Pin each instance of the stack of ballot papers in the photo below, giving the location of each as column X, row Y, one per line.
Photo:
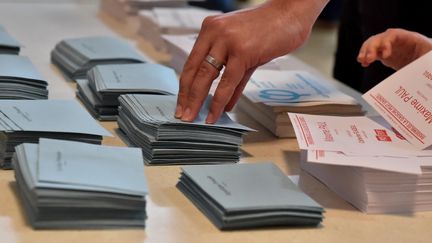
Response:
column 105, row 83
column 170, row 21
column 122, row 9
column 247, row 196
column 25, row 121
column 270, row 94
column 148, row 122
column 8, row 45
column 64, row 184
column 19, row 79
column 379, row 164
column 74, row 57
column 366, row 162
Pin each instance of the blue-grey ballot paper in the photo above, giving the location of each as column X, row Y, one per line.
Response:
column 148, row 122
column 67, row 184
column 27, row 120
column 248, row 196
column 19, row 79
column 76, row 56
column 8, row 45
column 105, row 83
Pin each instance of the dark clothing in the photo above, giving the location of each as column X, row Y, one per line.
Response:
column 361, row 19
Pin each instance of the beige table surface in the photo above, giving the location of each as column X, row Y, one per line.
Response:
column 171, row 216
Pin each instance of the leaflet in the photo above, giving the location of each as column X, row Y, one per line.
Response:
column 356, row 135
column 404, row 100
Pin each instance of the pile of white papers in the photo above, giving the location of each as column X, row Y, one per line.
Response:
column 64, row 184
column 107, row 82
column 122, row 9
column 366, row 162
column 170, row 21
column 19, row 79
column 247, row 196
column 76, row 56
column 148, row 122
column 25, row 121
column 8, row 45
column 179, row 46
column 381, row 164
column 270, row 94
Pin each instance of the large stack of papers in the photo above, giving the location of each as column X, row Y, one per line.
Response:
column 270, row 94
column 8, row 45
column 248, row 195
column 105, row 83
column 75, row 57
column 122, row 9
column 65, row 184
column 25, row 121
column 19, row 79
column 148, row 121
column 179, row 46
column 366, row 162
column 379, row 164
column 170, row 21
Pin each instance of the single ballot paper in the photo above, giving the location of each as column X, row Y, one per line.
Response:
column 355, row 135
column 405, row 100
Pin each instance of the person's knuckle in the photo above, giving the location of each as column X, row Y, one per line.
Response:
column 204, row 71
column 211, row 22
column 194, row 96
column 219, row 101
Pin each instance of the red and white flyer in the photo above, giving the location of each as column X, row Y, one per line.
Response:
column 405, row 100
column 355, row 135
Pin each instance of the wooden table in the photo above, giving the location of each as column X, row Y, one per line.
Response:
column 172, row 217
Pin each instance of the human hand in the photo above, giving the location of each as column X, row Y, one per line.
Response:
column 243, row 40
column 395, row 48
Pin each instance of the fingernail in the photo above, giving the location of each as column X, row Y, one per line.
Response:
column 210, row 118
column 187, row 115
column 178, row 111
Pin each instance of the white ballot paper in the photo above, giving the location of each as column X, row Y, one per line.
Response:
column 410, row 165
column 355, row 135
column 405, row 100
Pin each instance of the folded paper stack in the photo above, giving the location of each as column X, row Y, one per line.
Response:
column 8, row 45
column 65, row 184
column 148, row 122
column 105, row 83
column 248, row 196
column 19, row 79
column 366, row 162
column 25, row 121
column 270, row 94
column 74, row 57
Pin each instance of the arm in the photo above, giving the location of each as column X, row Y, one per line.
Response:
column 243, row 40
column 395, row 48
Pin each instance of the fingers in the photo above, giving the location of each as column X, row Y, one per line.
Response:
column 199, row 51
column 199, row 85
column 233, row 74
column 239, row 90
column 377, row 47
